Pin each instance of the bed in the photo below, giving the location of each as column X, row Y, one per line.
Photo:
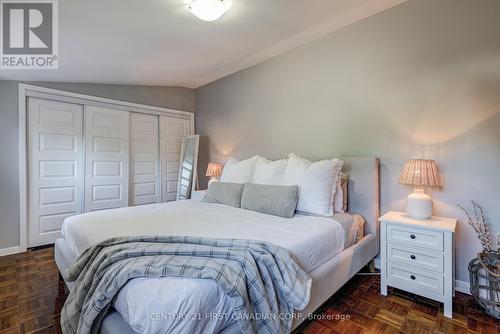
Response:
column 317, row 243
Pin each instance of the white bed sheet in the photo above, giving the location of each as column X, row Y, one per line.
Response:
column 312, row 240
column 154, row 305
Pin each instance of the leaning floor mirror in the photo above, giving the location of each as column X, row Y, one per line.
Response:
column 187, row 167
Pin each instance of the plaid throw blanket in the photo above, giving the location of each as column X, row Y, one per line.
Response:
column 262, row 280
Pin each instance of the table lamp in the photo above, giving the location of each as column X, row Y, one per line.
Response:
column 214, row 170
column 419, row 173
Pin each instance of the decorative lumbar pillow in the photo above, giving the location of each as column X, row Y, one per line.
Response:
column 341, row 195
column 271, row 199
column 269, row 172
column 338, row 200
column 224, row 193
column 345, row 192
column 239, row 171
column 317, row 183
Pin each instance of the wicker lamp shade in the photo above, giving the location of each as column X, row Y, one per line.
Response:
column 420, row 173
column 214, row 169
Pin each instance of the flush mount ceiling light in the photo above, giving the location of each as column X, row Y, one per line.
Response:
column 209, row 10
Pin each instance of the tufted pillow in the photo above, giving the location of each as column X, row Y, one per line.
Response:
column 317, row 183
column 239, row 171
column 269, row 172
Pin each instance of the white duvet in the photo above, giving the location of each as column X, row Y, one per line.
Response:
column 175, row 305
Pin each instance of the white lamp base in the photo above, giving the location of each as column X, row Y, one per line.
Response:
column 212, row 180
column 419, row 205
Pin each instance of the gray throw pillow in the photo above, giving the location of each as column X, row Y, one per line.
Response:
column 224, row 193
column 274, row 200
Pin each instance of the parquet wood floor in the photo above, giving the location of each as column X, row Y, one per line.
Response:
column 31, row 298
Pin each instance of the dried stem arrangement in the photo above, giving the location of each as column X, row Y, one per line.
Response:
column 485, row 269
column 480, row 226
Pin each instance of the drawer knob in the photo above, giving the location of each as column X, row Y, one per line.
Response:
column 412, row 276
column 412, row 236
column 413, row 257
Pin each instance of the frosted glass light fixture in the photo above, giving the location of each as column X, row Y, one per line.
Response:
column 209, row 10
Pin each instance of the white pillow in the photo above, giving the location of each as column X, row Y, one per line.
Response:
column 238, row 171
column 317, row 183
column 269, row 172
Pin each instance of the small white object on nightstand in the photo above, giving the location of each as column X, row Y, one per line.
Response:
column 418, row 256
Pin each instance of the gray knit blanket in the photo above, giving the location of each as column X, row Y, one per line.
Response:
column 264, row 283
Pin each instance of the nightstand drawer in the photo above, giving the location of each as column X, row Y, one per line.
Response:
column 429, row 260
column 415, row 237
column 417, row 280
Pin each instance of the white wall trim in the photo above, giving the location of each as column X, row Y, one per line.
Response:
column 460, row 286
column 26, row 90
column 10, row 250
column 23, row 171
column 66, row 96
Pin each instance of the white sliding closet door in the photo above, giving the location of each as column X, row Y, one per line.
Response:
column 144, row 160
column 172, row 130
column 55, row 151
column 106, row 158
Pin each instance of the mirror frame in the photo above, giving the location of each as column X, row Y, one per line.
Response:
column 194, row 176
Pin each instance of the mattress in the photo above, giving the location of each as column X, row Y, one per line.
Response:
column 174, row 305
column 312, row 240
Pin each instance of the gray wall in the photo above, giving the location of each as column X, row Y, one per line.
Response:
column 168, row 97
column 9, row 166
column 421, row 79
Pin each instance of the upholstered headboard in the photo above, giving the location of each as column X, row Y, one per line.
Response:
column 364, row 191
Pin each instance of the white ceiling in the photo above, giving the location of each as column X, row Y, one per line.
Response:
column 158, row 42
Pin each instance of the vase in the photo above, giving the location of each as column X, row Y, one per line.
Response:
column 484, row 274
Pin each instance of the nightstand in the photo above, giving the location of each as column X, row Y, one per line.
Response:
column 418, row 256
column 198, row 194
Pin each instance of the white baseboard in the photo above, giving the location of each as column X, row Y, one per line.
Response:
column 460, row 286
column 10, row 250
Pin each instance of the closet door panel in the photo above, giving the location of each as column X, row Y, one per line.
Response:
column 144, row 159
column 172, row 130
column 55, row 148
column 106, row 158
